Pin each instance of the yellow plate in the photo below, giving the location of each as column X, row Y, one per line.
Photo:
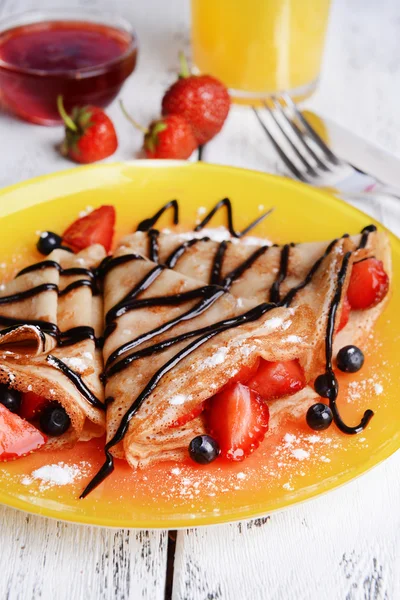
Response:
column 290, row 466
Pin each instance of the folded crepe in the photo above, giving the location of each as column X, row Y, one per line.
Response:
column 267, row 273
column 293, row 275
column 171, row 344
column 50, row 319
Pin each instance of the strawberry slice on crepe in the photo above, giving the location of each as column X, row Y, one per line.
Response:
column 237, row 417
column 17, row 436
column 95, row 228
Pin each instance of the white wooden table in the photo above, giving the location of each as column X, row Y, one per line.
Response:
column 345, row 545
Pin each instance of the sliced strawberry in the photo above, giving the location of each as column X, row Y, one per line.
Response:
column 344, row 317
column 277, row 379
column 245, row 373
column 96, row 228
column 183, row 419
column 368, row 285
column 31, row 405
column 17, row 436
column 238, row 419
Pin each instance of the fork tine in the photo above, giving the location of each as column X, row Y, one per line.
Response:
column 317, row 139
column 292, row 168
column 308, row 166
column 279, row 108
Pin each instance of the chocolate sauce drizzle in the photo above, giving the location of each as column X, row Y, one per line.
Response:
column 76, row 380
column 289, row 297
column 77, row 284
column 109, row 263
column 39, row 289
column 231, row 277
column 173, row 258
column 211, row 331
column 228, row 205
column 365, row 234
column 9, row 322
column 209, row 294
column 66, row 338
column 216, row 268
column 333, row 387
column 274, row 293
column 147, row 224
column 127, row 301
column 40, row 266
column 75, row 335
column 153, row 242
column 52, row 264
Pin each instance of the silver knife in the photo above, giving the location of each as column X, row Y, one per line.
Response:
column 376, row 170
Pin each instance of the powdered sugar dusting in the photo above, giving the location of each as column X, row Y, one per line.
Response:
column 216, row 359
column 52, row 362
column 56, row 475
column 300, row 454
column 178, row 399
column 86, row 211
column 76, row 364
column 359, row 389
column 275, row 323
column 220, row 234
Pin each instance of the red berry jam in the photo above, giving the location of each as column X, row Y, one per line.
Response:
column 86, row 62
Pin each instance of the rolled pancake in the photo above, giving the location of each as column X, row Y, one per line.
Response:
column 37, row 303
column 67, row 368
column 171, row 381
column 260, row 281
column 198, row 258
column 361, row 322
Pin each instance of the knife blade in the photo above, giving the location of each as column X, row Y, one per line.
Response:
column 366, row 157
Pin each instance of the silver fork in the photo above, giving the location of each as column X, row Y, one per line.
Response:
column 306, row 155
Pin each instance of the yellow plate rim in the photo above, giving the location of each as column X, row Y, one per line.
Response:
column 322, row 488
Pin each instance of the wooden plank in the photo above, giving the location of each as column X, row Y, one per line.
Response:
column 344, row 545
column 47, row 559
column 41, row 558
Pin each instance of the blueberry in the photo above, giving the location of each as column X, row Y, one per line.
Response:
column 326, row 385
column 48, row 241
column 54, row 419
column 350, row 359
column 11, row 399
column 319, row 416
column 203, row 449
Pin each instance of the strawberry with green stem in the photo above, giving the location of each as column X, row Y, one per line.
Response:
column 168, row 137
column 202, row 99
column 89, row 133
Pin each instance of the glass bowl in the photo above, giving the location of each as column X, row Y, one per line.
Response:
column 83, row 55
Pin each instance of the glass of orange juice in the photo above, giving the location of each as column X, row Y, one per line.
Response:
column 260, row 47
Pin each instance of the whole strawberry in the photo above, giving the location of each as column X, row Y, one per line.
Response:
column 168, row 137
column 89, row 134
column 201, row 99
